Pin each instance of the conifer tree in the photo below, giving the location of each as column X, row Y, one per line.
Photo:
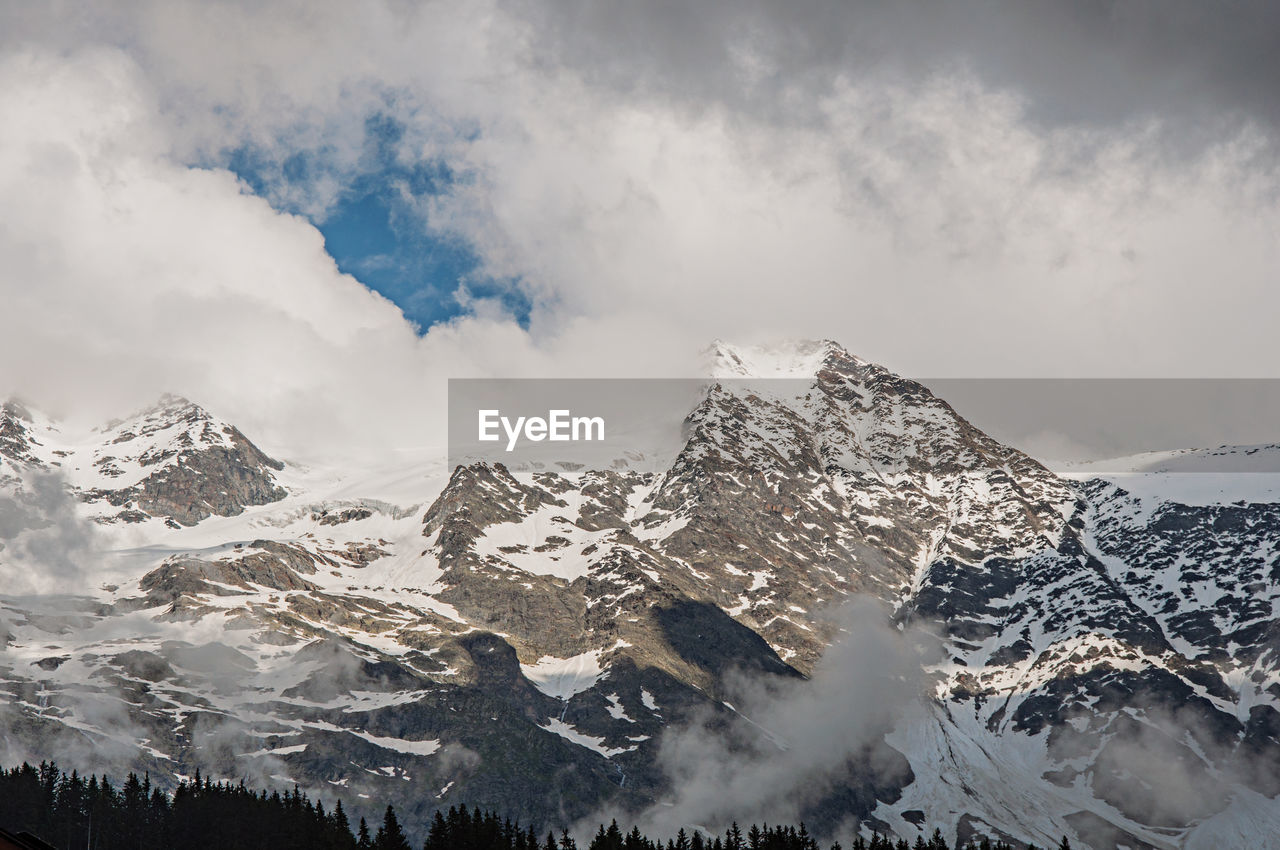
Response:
column 201, row 814
column 340, row 822
column 608, row 839
column 390, row 836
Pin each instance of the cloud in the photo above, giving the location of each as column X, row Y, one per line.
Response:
column 45, row 545
column 1097, row 63
column 928, row 226
column 736, row 175
column 796, row 742
column 127, row 272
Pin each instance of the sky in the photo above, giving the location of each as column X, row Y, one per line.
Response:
column 307, row 216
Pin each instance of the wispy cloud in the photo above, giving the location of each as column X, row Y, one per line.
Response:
column 790, row 744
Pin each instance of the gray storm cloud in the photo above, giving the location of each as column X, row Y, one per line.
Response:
column 1099, row 63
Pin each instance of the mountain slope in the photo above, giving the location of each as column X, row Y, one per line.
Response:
column 526, row 640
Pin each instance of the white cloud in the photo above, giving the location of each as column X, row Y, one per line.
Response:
column 127, row 272
column 928, row 226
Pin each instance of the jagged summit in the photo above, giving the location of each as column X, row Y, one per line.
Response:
column 176, row 460
column 794, row 359
column 172, row 460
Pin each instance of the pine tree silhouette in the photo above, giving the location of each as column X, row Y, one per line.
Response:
column 390, row 836
column 200, row 814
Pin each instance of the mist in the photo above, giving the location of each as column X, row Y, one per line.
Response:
column 792, row 743
column 46, row 546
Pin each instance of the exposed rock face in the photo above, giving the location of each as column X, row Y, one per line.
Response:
column 16, row 441
column 1107, row 666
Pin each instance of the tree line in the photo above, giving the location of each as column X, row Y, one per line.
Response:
column 78, row 813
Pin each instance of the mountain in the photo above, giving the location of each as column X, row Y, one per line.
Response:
column 1100, row 660
column 172, row 461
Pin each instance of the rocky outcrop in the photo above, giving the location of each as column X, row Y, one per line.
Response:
column 262, row 564
column 16, row 441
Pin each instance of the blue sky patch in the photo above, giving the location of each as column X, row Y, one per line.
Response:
column 376, row 232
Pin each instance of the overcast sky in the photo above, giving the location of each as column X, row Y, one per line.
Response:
column 306, row 215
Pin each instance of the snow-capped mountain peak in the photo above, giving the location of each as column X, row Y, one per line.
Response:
column 796, row 359
column 172, row 460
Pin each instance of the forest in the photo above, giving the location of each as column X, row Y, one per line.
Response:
column 72, row 812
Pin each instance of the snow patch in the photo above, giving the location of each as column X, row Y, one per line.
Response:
column 563, row 678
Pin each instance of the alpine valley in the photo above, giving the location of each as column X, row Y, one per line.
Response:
column 1102, row 656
